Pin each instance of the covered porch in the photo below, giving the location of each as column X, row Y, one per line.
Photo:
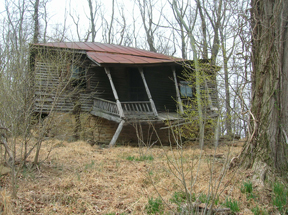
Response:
column 134, row 96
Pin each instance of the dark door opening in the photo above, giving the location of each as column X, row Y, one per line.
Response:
column 137, row 88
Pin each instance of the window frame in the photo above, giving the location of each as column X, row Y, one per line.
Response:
column 186, row 90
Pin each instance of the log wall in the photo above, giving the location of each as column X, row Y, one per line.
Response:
column 53, row 89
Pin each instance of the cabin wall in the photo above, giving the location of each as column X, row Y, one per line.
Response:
column 53, row 88
column 48, row 86
column 99, row 83
column 186, row 75
column 212, row 87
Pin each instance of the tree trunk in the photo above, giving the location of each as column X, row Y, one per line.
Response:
column 92, row 20
column 36, row 22
column 204, row 31
column 228, row 121
column 269, row 112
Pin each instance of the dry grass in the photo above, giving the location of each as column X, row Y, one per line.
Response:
column 80, row 179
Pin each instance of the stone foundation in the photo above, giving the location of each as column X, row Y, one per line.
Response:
column 101, row 130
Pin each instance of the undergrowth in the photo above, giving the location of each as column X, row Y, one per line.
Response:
column 141, row 158
column 154, row 206
column 280, row 197
column 180, row 198
column 247, row 188
column 259, row 211
column 232, row 204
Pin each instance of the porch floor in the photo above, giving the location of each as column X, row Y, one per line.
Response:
column 139, row 118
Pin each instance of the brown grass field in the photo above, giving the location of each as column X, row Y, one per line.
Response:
column 81, row 179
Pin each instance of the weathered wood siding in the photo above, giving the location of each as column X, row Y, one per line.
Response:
column 53, row 89
column 212, row 87
column 99, row 83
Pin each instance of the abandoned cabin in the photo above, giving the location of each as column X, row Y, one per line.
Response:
column 123, row 86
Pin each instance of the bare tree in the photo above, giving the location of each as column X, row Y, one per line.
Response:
column 111, row 21
column 17, row 84
column 197, row 73
column 204, row 30
column 92, row 19
column 182, row 32
column 146, row 8
column 107, row 27
column 226, row 34
column 76, row 21
column 36, row 22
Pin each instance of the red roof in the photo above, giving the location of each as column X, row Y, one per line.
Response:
column 110, row 54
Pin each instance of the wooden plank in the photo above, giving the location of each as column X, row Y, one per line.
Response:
column 99, row 113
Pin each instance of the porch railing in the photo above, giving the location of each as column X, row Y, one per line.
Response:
column 137, row 107
column 107, row 106
column 129, row 108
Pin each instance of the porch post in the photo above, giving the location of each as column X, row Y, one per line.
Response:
column 117, row 133
column 121, row 113
column 148, row 92
column 177, row 91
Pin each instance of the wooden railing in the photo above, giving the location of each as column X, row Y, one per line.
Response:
column 129, row 108
column 107, row 106
column 136, row 108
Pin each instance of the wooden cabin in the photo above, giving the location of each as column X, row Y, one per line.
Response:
column 121, row 84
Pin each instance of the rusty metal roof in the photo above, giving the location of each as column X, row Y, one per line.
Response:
column 114, row 54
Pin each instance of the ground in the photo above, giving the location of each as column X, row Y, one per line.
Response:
column 78, row 178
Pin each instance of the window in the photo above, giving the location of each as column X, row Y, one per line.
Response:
column 185, row 89
column 78, row 76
